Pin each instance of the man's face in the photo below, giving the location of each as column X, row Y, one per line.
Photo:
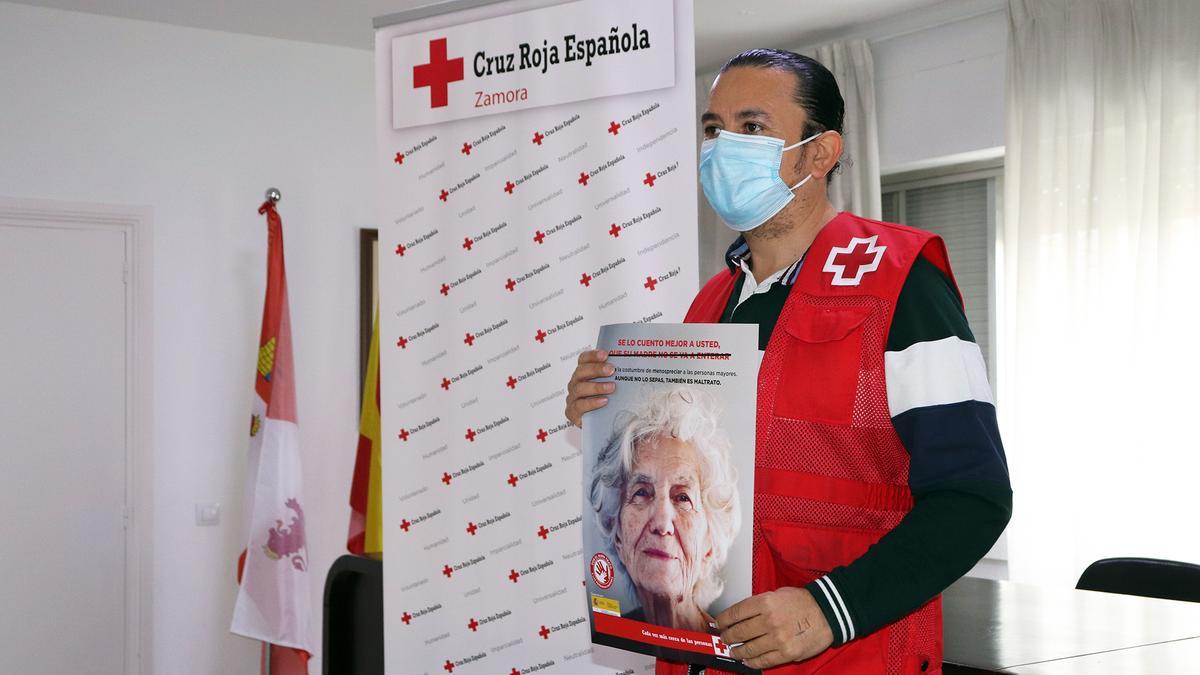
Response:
column 758, row 102
column 662, row 527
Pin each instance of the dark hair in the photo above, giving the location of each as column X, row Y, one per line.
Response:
column 816, row 89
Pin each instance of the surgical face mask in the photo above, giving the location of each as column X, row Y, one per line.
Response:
column 740, row 177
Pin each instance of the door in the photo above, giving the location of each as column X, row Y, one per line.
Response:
column 64, row 448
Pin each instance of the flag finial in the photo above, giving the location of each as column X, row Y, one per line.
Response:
column 274, row 195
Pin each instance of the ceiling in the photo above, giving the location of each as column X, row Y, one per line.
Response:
column 723, row 27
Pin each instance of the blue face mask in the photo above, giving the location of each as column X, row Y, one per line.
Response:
column 740, row 176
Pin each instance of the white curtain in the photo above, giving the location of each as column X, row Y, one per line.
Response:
column 1099, row 377
column 856, row 187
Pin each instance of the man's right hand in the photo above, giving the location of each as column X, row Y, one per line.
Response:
column 583, row 395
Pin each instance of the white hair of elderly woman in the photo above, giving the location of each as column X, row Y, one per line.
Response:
column 691, row 416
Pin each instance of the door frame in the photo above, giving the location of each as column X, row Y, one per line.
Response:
column 135, row 222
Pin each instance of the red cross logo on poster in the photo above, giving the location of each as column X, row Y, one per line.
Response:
column 849, row 263
column 438, row 74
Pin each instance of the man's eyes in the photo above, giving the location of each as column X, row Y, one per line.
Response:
column 750, row 128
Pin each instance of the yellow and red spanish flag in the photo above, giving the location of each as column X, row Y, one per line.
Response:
column 366, row 510
column 273, row 594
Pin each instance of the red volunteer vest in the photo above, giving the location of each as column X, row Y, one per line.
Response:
column 831, row 475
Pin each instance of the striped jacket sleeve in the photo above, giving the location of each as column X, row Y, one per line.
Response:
column 942, row 408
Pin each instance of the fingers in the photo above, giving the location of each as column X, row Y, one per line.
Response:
column 746, row 630
column 586, row 389
column 740, row 611
column 592, row 356
column 583, row 395
column 768, row 660
column 588, row 371
column 577, row 408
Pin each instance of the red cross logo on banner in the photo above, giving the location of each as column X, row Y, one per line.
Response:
column 467, row 243
column 511, row 382
column 583, row 179
column 406, row 618
column 400, row 250
column 508, row 186
column 466, row 148
column 543, row 532
column 544, row 632
column 449, row 667
column 446, row 478
column 443, row 195
column 614, row 230
column 537, row 138
column 471, row 529
column 470, row 435
column 448, row 571
column 719, row 646
column 446, row 384
column 513, row 576
column 649, row 179
column 473, row 625
column 848, row 264
column 539, row 237
column 541, row 435
column 404, row 435
column 540, row 336
column 586, row 280
column 404, row 525
column 512, row 480
column 444, row 290
column 402, row 343
column 614, row 128
column 469, row 340
column 650, row 283
column 399, row 158
column 438, row 74
column 510, row 285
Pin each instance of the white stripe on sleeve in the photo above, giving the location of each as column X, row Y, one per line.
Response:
column 937, row 372
column 833, row 605
column 846, row 612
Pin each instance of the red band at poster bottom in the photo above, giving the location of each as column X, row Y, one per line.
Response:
column 659, row 636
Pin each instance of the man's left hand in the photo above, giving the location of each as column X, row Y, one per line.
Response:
column 776, row 627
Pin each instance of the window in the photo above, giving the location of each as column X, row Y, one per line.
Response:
column 962, row 205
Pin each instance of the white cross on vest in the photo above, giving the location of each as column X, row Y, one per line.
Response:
column 848, row 264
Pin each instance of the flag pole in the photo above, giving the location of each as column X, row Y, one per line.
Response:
column 272, row 195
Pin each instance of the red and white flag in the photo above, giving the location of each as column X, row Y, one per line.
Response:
column 273, row 598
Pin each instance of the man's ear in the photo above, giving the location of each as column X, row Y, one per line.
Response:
column 827, row 151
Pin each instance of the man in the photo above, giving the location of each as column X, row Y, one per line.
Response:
column 880, row 475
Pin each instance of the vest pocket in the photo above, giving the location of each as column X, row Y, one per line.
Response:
column 822, row 356
column 799, row 554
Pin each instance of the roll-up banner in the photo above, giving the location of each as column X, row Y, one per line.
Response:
column 536, row 179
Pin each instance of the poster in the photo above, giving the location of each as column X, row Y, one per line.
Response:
column 668, row 488
column 529, row 192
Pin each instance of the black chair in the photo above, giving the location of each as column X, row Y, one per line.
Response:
column 353, row 635
column 1147, row 577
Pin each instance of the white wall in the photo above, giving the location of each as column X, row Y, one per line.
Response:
column 196, row 124
column 940, row 90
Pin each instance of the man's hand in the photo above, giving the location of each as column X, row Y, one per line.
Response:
column 776, row 627
column 584, row 395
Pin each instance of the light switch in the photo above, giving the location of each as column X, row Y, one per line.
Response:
column 208, row 514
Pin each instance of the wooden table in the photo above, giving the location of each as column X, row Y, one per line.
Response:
column 1005, row 627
